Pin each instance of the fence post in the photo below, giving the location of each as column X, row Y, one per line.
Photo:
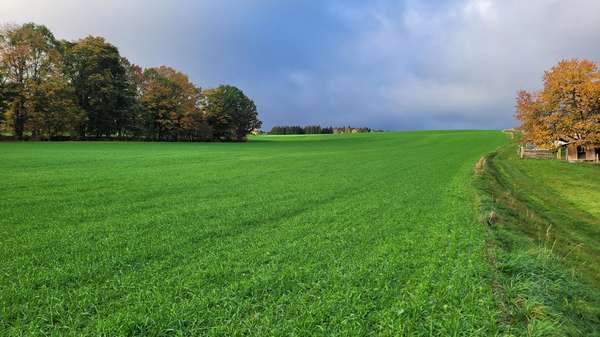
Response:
column 521, row 151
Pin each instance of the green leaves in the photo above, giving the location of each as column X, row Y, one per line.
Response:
column 98, row 73
column 171, row 106
column 52, row 107
column 230, row 112
column 28, row 54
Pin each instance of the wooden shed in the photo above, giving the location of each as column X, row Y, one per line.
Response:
column 574, row 153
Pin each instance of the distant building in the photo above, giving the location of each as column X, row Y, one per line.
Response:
column 350, row 129
column 564, row 151
column 576, row 153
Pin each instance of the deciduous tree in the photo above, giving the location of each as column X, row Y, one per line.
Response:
column 567, row 108
column 26, row 54
column 230, row 112
column 52, row 107
column 172, row 105
column 49, row 88
column 98, row 74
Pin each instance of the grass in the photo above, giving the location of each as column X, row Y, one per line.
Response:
column 344, row 235
column 545, row 243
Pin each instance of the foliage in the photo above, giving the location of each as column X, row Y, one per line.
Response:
column 52, row 89
column 315, row 129
column 290, row 236
column 287, row 130
column 298, row 130
column 52, row 107
column 172, row 105
column 137, row 122
column 99, row 76
column 27, row 54
column 4, row 93
column 567, row 108
column 231, row 114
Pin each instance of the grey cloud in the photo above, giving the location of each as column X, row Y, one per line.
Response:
column 385, row 64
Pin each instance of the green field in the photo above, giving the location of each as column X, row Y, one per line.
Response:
column 369, row 234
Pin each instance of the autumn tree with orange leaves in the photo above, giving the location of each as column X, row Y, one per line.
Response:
column 567, row 108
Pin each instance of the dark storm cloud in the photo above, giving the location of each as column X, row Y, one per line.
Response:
column 384, row 64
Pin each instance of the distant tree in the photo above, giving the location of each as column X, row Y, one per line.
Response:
column 230, row 113
column 530, row 113
column 296, row 130
column 159, row 103
column 327, row 130
column 312, row 129
column 135, row 119
column 567, row 108
column 292, row 130
column 4, row 95
column 172, row 105
column 190, row 121
column 104, row 92
column 26, row 54
column 52, row 107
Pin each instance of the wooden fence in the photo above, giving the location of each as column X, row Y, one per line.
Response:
column 536, row 153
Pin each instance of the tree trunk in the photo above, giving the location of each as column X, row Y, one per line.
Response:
column 19, row 119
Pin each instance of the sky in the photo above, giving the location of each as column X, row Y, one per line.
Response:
column 385, row 64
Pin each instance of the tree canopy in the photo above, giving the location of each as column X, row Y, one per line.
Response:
column 86, row 88
column 230, row 112
column 97, row 73
column 315, row 129
column 566, row 110
column 173, row 105
column 28, row 53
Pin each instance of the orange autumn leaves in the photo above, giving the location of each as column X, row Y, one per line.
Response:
column 567, row 108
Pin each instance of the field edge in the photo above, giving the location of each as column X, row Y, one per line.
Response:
column 537, row 293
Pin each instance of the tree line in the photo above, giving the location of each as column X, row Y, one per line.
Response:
column 566, row 110
column 53, row 89
column 314, row 129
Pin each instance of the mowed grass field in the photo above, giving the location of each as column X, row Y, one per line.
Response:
column 347, row 235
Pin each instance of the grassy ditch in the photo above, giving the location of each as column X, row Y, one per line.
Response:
column 544, row 243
